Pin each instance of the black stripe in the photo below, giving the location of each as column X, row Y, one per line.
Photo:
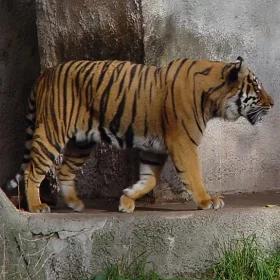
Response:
column 121, row 85
column 102, row 73
column 131, row 74
column 187, row 132
column 238, row 101
column 90, row 120
column 58, row 76
column 145, row 125
column 150, row 162
column 38, row 158
column 147, row 70
column 74, row 87
column 129, row 135
column 156, row 78
column 150, row 93
column 64, row 109
column 165, row 107
column 76, row 117
column 52, row 108
column 87, row 86
column 85, row 145
column 167, row 70
column 115, row 123
column 104, row 100
column 248, row 90
column 88, row 72
column 78, row 82
column 196, row 120
column 173, row 85
column 134, row 108
column 158, row 72
column 190, row 67
column 77, row 77
column 73, row 103
column 104, row 137
column 205, row 96
column 205, row 72
column 203, row 100
column 45, row 151
column 163, row 126
column 140, row 80
column 70, row 165
column 120, row 141
column 48, row 131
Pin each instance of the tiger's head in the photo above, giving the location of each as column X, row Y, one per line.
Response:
column 249, row 100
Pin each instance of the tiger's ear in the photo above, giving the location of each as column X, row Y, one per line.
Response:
column 236, row 70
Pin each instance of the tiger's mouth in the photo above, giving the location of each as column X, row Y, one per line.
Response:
column 256, row 114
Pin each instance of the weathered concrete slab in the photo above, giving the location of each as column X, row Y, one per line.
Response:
column 236, row 157
column 177, row 239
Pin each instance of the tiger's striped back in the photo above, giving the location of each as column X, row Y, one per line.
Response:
column 160, row 111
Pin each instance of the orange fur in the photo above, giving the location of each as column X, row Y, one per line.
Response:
column 157, row 110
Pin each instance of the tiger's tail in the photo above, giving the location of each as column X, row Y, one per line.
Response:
column 30, row 121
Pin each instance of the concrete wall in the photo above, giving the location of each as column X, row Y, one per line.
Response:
column 235, row 156
column 19, row 65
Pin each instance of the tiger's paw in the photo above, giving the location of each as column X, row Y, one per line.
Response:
column 216, row 202
column 41, row 208
column 76, row 205
column 127, row 204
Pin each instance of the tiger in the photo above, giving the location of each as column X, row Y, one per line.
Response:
column 160, row 111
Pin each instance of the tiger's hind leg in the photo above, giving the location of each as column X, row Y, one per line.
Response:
column 74, row 157
column 150, row 168
column 42, row 157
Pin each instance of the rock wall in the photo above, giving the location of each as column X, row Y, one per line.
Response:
column 19, row 65
column 94, row 29
column 236, row 157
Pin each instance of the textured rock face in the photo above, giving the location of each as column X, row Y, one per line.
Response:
column 94, row 29
column 19, row 65
column 176, row 242
column 235, row 156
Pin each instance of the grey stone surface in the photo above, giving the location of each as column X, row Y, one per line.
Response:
column 235, row 156
column 94, row 29
column 176, row 242
column 21, row 252
column 176, row 239
column 19, row 65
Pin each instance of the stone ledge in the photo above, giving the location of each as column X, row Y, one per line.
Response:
column 177, row 239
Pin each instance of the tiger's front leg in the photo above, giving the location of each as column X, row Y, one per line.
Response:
column 150, row 168
column 185, row 158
